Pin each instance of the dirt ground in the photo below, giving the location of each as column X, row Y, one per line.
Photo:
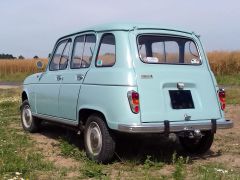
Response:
column 225, row 149
column 9, row 85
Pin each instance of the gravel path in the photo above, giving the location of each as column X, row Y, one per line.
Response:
column 9, row 85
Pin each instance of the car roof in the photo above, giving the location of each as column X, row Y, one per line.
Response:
column 126, row 27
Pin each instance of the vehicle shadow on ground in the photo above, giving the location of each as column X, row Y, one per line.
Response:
column 132, row 148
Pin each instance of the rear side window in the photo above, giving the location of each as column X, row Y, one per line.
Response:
column 83, row 51
column 61, row 56
column 165, row 49
column 107, row 51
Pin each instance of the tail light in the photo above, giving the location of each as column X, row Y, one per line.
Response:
column 133, row 98
column 222, row 98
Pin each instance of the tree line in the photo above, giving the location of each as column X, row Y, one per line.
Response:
column 10, row 56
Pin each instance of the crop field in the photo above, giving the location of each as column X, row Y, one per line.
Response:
column 225, row 65
column 17, row 70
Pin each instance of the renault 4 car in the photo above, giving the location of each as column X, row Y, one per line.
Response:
column 129, row 78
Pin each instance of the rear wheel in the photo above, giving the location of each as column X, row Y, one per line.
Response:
column 197, row 145
column 99, row 142
column 29, row 123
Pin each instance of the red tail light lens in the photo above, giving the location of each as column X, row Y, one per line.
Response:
column 222, row 98
column 133, row 98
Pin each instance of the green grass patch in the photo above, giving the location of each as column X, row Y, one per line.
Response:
column 232, row 80
column 70, row 150
column 14, row 77
column 180, row 167
column 233, row 95
column 17, row 157
column 215, row 171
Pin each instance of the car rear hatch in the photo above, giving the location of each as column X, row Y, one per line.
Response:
column 174, row 82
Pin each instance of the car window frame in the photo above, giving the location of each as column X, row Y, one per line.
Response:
column 174, row 36
column 73, row 48
column 99, row 46
column 55, row 49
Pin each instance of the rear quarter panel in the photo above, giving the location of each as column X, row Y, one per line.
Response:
column 105, row 88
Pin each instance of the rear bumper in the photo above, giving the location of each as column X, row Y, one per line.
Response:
column 169, row 127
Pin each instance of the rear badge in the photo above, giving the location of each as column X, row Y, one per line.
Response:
column 187, row 117
column 146, row 76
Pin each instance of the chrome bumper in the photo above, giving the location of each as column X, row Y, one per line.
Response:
column 168, row 127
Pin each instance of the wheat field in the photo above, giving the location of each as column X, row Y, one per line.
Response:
column 221, row 62
column 224, row 62
column 19, row 66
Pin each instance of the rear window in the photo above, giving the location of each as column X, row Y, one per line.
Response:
column 167, row 49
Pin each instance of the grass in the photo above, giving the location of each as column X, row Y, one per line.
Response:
column 232, row 95
column 18, row 70
column 224, row 62
column 228, row 80
column 180, row 168
column 216, row 171
column 15, row 156
column 20, row 158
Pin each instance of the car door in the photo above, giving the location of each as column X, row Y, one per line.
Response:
column 47, row 89
column 82, row 53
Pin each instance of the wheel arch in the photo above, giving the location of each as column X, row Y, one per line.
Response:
column 84, row 113
column 24, row 96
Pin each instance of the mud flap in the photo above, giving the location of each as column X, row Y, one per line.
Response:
column 214, row 126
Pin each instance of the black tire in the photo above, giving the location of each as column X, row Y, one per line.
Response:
column 197, row 146
column 99, row 142
column 29, row 123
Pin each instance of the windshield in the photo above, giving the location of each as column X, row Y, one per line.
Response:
column 166, row 49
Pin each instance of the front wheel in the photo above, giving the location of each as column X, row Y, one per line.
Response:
column 197, row 145
column 29, row 123
column 99, row 142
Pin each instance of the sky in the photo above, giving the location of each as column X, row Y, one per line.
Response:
column 31, row 27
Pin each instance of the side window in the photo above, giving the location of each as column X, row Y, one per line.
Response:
column 90, row 41
column 83, row 51
column 77, row 52
column 191, row 55
column 65, row 56
column 106, row 54
column 61, row 56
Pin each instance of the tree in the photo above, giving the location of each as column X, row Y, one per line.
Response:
column 6, row 56
column 21, row 57
column 35, row 57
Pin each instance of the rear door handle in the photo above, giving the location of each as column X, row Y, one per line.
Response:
column 59, row 78
column 80, row 77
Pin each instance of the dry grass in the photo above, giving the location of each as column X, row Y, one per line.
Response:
column 225, row 62
column 17, row 70
column 19, row 66
column 222, row 63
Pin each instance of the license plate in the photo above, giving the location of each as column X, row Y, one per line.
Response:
column 181, row 99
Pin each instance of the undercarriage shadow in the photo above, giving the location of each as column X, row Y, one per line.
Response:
column 131, row 147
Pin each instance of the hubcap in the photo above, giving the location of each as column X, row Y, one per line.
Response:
column 27, row 116
column 94, row 138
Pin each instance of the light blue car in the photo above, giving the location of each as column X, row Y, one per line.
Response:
column 130, row 78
